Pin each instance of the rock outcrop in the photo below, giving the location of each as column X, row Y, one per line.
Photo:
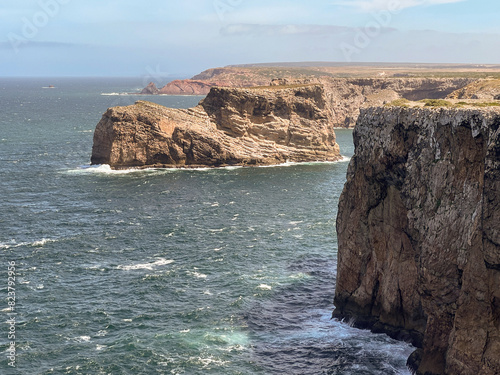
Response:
column 258, row 126
column 345, row 96
column 487, row 89
column 419, row 235
column 186, row 87
column 150, row 89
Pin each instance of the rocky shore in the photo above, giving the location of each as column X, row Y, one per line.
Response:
column 419, row 235
column 257, row 126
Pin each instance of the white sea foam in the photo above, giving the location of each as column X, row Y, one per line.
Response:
column 146, row 266
column 103, row 169
column 265, row 287
column 106, row 169
column 82, row 339
column 197, row 274
column 42, row 242
column 115, row 94
column 293, row 163
column 39, row 243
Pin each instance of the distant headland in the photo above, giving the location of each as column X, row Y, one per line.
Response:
column 350, row 87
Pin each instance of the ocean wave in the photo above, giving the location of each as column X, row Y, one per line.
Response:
column 116, row 94
column 38, row 243
column 265, row 287
column 106, row 169
column 197, row 274
column 82, row 339
column 295, row 163
column 146, row 266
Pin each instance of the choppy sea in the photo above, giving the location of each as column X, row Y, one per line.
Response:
column 210, row 271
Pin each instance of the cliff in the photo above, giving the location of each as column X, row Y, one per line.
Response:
column 419, row 235
column 257, row 126
column 487, row 89
column 346, row 93
column 347, row 96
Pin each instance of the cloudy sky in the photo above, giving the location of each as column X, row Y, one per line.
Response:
column 137, row 38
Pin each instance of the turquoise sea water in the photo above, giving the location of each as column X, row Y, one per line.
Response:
column 214, row 271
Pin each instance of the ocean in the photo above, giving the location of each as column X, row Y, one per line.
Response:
column 209, row 271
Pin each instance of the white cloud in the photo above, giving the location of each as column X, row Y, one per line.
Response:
column 375, row 5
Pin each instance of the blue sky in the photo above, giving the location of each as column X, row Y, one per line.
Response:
column 162, row 38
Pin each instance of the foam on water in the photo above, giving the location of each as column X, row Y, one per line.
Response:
column 146, row 266
column 106, row 169
column 251, row 288
column 38, row 243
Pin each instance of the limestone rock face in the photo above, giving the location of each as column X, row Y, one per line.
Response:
column 258, row 126
column 344, row 96
column 487, row 89
column 347, row 96
column 419, row 235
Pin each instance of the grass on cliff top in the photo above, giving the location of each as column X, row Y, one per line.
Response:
column 482, row 104
column 437, row 103
column 282, row 87
column 405, row 103
column 399, row 103
column 446, row 103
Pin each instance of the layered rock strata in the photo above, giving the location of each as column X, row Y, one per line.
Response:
column 258, row 126
column 486, row 89
column 344, row 96
column 419, row 235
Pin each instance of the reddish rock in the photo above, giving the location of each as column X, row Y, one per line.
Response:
column 186, row 87
column 150, row 89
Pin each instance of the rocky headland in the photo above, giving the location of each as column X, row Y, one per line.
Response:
column 231, row 126
column 347, row 89
column 419, row 235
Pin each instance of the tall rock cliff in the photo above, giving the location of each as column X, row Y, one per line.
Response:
column 419, row 235
column 255, row 126
column 347, row 96
column 344, row 96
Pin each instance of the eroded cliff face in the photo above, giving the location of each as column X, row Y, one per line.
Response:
column 419, row 235
column 344, row 96
column 485, row 89
column 255, row 126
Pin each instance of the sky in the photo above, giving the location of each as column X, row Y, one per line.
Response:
column 164, row 38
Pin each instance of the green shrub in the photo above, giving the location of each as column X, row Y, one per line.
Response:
column 399, row 103
column 436, row 103
column 488, row 104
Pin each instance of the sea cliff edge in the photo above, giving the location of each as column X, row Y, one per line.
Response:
column 419, row 235
column 231, row 126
